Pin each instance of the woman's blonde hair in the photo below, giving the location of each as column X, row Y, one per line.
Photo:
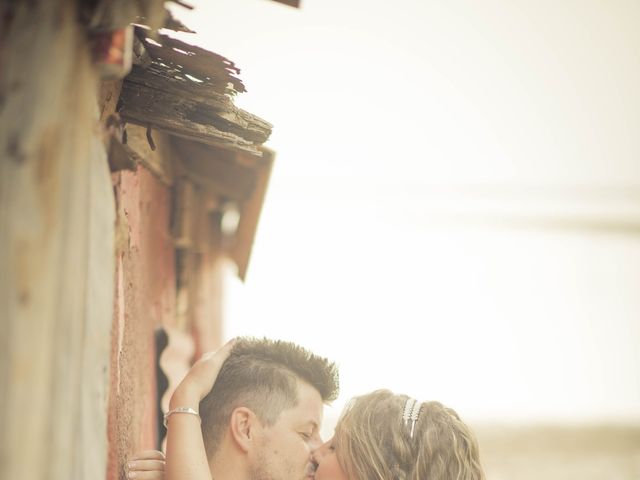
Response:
column 372, row 442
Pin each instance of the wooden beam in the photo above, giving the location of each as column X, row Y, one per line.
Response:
column 155, row 153
column 234, row 176
column 250, row 214
column 211, row 69
column 215, row 169
column 187, row 109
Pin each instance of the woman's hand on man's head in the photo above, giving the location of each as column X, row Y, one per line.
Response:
column 200, row 379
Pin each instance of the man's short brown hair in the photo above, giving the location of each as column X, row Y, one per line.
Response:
column 262, row 375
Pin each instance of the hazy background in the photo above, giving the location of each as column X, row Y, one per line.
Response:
column 455, row 207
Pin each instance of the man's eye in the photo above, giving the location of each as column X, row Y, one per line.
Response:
column 305, row 435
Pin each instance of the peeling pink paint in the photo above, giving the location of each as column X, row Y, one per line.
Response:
column 145, row 301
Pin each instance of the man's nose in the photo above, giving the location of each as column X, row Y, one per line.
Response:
column 315, row 443
column 320, row 451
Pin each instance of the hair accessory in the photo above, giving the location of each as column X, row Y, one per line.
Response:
column 411, row 413
column 188, row 410
column 408, row 407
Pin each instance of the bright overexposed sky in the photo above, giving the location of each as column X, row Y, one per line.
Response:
column 454, row 211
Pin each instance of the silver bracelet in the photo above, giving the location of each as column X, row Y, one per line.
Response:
column 188, row 410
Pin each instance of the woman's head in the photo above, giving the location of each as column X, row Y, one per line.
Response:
column 373, row 441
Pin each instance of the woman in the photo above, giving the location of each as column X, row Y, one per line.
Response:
column 380, row 436
column 385, row 436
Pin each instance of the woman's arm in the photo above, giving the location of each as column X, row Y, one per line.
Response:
column 186, row 456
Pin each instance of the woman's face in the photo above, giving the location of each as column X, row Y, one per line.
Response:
column 328, row 466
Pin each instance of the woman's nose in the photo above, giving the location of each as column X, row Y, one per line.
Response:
column 321, row 451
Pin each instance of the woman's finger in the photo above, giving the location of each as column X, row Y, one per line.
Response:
column 146, row 465
column 148, row 455
column 143, row 475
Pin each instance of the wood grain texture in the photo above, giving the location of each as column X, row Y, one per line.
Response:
column 158, row 161
column 149, row 101
column 145, row 300
column 188, row 91
column 56, row 232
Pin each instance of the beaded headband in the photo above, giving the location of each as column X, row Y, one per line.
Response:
column 411, row 412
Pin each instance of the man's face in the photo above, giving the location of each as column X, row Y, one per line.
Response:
column 283, row 450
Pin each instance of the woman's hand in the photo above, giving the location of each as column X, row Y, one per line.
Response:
column 200, row 378
column 147, row 465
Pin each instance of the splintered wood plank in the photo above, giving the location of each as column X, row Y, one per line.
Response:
column 182, row 59
column 186, row 110
column 170, row 113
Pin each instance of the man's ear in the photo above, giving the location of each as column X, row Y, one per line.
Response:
column 243, row 427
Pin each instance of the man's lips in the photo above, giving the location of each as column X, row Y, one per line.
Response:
column 310, row 472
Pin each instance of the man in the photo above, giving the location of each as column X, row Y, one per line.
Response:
column 261, row 419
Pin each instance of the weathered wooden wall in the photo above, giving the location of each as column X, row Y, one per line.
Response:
column 56, row 255
column 87, row 277
column 144, row 301
column 155, row 289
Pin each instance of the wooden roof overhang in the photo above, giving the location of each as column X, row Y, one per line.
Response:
column 188, row 91
column 182, row 124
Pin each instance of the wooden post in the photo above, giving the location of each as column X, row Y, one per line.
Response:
column 56, row 232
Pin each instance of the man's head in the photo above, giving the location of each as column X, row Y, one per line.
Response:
column 267, row 402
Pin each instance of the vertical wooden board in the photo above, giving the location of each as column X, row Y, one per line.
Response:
column 49, row 165
column 145, row 300
column 184, row 207
column 186, row 268
column 97, row 318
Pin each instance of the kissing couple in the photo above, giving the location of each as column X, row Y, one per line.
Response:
column 253, row 411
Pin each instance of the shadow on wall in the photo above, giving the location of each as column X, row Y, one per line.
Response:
column 560, row 453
